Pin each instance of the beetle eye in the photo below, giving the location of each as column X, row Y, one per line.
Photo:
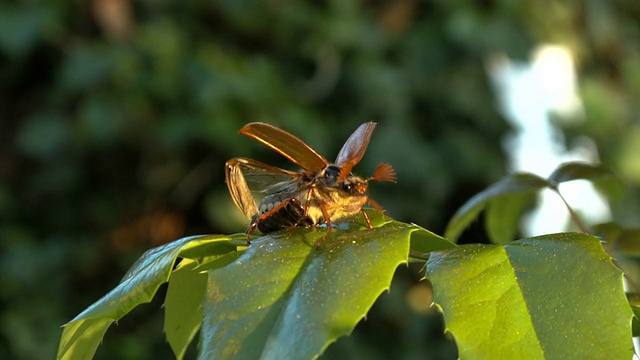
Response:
column 332, row 172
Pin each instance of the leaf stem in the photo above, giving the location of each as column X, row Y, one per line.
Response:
column 572, row 213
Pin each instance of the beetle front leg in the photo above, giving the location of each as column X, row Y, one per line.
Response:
column 366, row 218
column 327, row 221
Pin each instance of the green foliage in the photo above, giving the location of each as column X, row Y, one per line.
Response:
column 527, row 299
column 284, row 299
column 83, row 334
column 280, row 297
column 495, row 195
column 506, row 200
column 116, row 118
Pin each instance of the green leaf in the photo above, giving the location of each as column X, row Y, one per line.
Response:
column 603, row 179
column 619, row 241
column 576, row 171
column 624, row 245
column 81, row 338
column 255, row 299
column 424, row 241
column 503, row 216
column 183, row 303
column 183, row 306
column 634, row 302
column 554, row 296
column 510, row 185
column 138, row 286
column 608, row 232
column 284, row 299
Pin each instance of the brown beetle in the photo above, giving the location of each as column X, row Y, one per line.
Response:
column 320, row 193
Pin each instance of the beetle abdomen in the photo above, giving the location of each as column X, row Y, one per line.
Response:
column 291, row 214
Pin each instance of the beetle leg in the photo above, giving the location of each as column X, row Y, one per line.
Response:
column 327, row 220
column 252, row 227
column 366, row 218
column 375, row 205
column 307, row 202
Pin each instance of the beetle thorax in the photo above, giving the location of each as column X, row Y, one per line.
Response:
column 340, row 198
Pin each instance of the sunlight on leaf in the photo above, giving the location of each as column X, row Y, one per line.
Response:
column 278, row 297
column 81, row 338
column 424, row 241
column 285, row 299
column 516, row 300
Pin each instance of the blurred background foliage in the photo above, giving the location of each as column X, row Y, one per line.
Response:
column 117, row 117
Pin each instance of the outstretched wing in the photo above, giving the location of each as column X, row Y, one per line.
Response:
column 245, row 176
column 353, row 150
column 286, row 144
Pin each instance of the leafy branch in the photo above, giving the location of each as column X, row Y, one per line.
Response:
column 506, row 200
column 282, row 298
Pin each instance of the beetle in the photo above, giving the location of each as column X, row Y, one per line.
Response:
column 319, row 193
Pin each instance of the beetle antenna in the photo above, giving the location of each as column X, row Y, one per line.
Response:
column 384, row 172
